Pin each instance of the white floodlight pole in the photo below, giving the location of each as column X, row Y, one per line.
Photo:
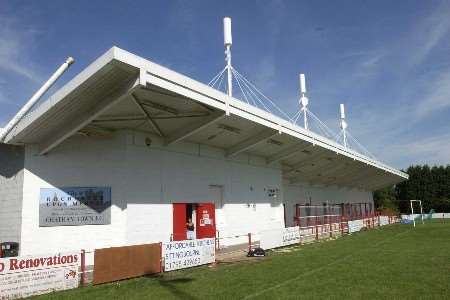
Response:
column 343, row 125
column 35, row 98
column 304, row 100
column 228, row 41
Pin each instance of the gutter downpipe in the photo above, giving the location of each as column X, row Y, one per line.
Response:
column 26, row 108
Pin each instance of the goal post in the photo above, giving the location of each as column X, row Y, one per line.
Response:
column 412, row 211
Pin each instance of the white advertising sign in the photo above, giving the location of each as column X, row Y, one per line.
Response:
column 441, row 215
column 355, row 225
column 384, row 220
column 190, row 253
column 34, row 275
column 75, row 206
column 280, row 237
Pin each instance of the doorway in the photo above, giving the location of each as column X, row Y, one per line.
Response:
column 202, row 216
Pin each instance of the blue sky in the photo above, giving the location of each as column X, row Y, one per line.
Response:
column 388, row 61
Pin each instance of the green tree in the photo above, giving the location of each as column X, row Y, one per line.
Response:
column 385, row 199
column 431, row 185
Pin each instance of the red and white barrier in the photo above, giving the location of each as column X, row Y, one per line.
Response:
column 279, row 237
column 355, row 225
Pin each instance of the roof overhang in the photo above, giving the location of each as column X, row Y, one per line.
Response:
column 123, row 91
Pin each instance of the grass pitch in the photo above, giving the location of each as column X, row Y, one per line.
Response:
column 394, row 262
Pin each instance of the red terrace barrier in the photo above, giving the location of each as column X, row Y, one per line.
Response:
column 83, row 267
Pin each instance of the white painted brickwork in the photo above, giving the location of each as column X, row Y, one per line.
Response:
column 145, row 181
column 11, row 181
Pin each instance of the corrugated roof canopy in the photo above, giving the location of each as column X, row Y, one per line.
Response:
column 123, row 91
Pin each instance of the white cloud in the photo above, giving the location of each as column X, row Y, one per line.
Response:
column 430, row 32
column 15, row 42
column 438, row 97
column 408, row 96
column 434, row 150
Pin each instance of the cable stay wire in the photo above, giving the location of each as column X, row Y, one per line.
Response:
column 250, row 94
column 242, row 90
column 338, row 137
column 215, row 78
column 328, row 132
column 220, row 83
column 264, row 96
column 353, row 144
column 364, row 149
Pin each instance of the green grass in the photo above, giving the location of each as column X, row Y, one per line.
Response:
column 395, row 262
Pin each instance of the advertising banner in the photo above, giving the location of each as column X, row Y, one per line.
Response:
column 441, row 216
column 355, row 225
column 190, row 253
column 34, row 275
column 384, row 220
column 75, row 206
column 280, row 237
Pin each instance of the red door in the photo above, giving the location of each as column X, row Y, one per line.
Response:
column 206, row 220
column 179, row 222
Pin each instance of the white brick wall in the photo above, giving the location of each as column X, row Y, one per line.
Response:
column 11, row 180
column 144, row 182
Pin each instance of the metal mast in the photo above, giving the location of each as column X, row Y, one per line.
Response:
column 304, row 100
column 343, row 125
column 227, row 39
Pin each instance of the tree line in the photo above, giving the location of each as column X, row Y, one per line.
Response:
column 429, row 184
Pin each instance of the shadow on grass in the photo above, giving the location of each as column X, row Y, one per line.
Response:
column 175, row 287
